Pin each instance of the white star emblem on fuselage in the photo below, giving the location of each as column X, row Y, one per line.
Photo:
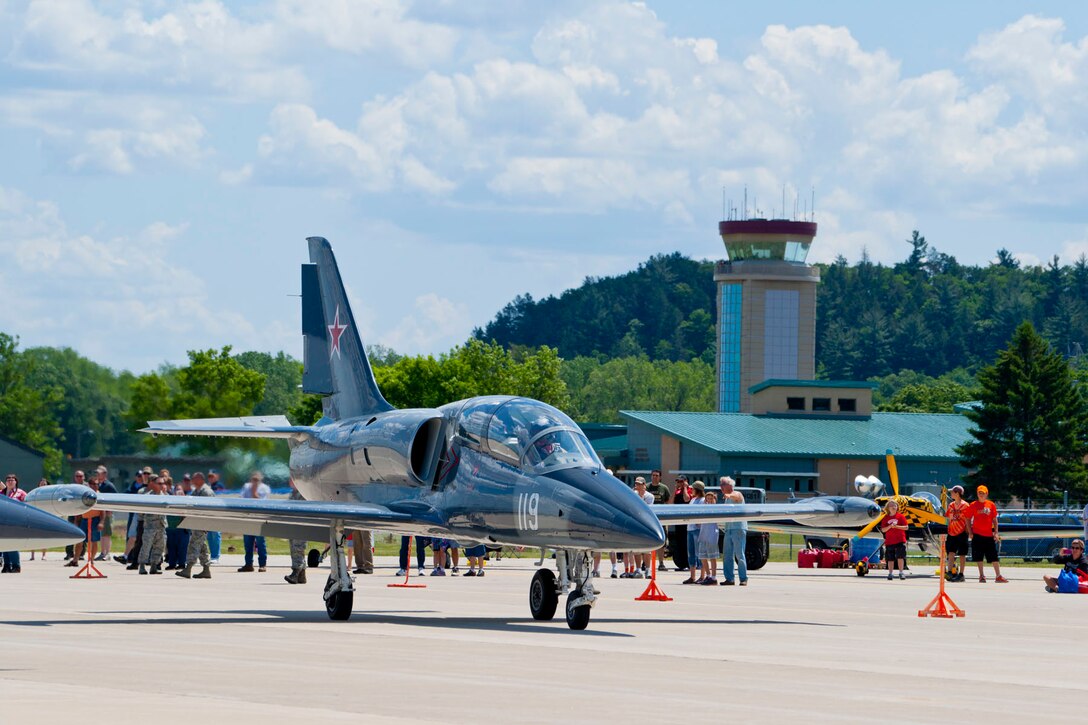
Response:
column 336, row 330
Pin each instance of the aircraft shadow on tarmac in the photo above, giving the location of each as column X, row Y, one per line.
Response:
column 414, row 619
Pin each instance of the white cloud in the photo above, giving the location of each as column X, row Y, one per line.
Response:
column 194, row 45
column 301, row 141
column 371, row 26
column 90, row 131
column 1031, row 58
column 107, row 297
column 429, row 324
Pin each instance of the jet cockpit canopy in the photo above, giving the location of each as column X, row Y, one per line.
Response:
column 526, row 433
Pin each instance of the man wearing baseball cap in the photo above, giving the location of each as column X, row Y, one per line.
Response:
column 984, row 536
column 956, row 544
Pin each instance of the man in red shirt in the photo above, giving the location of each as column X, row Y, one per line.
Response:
column 984, row 536
column 957, row 543
column 894, row 527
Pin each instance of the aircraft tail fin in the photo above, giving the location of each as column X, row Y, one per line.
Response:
column 334, row 361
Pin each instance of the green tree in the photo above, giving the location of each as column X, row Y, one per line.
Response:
column 25, row 410
column 476, row 368
column 213, row 385
column 1029, row 435
column 283, row 375
column 936, row 397
column 599, row 390
column 91, row 407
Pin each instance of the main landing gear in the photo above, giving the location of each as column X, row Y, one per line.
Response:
column 339, row 589
column 575, row 569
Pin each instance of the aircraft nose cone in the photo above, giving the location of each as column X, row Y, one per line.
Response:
column 609, row 514
column 24, row 526
column 860, row 510
column 645, row 528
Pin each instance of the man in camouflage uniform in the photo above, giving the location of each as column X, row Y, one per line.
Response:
column 154, row 534
column 298, row 549
column 198, row 541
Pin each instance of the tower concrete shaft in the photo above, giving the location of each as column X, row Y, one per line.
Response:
column 766, row 307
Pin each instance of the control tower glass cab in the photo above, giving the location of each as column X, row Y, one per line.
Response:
column 766, row 307
column 767, row 239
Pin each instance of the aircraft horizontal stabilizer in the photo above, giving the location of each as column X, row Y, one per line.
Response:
column 255, row 426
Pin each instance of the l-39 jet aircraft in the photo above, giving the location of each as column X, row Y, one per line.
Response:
column 490, row 469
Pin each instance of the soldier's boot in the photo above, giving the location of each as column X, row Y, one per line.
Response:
column 155, row 569
column 205, row 573
column 187, row 572
column 292, row 578
column 302, row 575
column 143, row 568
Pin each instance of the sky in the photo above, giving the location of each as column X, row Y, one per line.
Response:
column 161, row 162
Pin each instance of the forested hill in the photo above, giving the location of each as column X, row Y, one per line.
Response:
column 928, row 313
column 665, row 308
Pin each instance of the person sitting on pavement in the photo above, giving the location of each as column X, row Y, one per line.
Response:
column 1072, row 559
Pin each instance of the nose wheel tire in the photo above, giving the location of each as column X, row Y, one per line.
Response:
column 339, row 606
column 577, row 617
column 543, row 599
column 313, row 558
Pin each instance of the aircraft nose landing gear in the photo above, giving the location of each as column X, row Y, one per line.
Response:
column 574, row 577
column 339, row 589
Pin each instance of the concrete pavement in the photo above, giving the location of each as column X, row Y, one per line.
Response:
column 817, row 645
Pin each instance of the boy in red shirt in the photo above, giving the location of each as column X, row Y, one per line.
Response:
column 957, row 543
column 984, row 537
column 894, row 527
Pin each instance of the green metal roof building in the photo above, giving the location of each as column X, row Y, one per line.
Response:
column 801, row 441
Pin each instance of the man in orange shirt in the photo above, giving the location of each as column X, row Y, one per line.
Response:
column 984, row 536
column 957, row 543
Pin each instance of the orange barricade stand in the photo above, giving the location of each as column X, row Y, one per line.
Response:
column 89, row 570
column 942, row 604
column 408, row 571
column 653, row 592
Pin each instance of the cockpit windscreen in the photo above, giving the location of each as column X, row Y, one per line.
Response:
column 537, row 437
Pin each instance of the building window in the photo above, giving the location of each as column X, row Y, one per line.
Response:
column 811, row 485
column 821, row 404
column 642, row 455
column 752, row 482
column 729, row 374
column 781, row 313
column 795, row 403
column 848, row 405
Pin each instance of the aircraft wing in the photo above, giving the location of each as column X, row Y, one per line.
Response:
column 814, row 511
column 255, row 426
column 801, row 529
column 281, row 518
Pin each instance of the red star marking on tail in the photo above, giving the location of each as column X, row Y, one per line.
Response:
column 335, row 331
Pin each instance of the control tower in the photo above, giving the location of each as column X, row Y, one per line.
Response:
column 766, row 307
